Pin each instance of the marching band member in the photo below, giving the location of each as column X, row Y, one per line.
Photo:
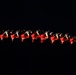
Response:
column 14, row 35
column 4, row 34
column 72, row 40
column 22, row 37
column 34, row 35
column 25, row 35
column 43, row 36
column 63, row 38
column 53, row 37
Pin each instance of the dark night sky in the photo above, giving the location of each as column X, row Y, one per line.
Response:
column 54, row 15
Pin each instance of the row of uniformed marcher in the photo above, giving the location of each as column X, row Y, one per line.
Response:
column 42, row 35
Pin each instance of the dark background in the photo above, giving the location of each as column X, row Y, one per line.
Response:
column 27, row 58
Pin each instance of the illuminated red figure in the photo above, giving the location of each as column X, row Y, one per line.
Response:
column 4, row 35
column 1, row 36
column 72, row 40
column 53, row 38
column 14, row 35
column 63, row 38
column 34, row 36
column 24, row 36
column 43, row 37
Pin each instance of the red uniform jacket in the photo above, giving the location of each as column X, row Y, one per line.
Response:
column 72, row 40
column 53, row 38
column 63, row 39
column 34, row 36
column 23, row 36
column 43, row 38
